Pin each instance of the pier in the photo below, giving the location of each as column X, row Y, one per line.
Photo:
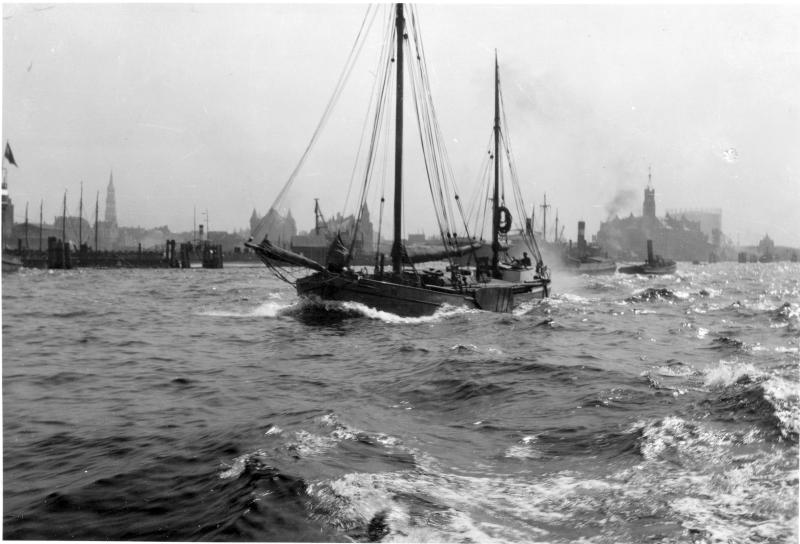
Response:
column 60, row 255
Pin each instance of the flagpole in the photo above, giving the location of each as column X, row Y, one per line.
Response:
column 26, row 225
column 41, row 223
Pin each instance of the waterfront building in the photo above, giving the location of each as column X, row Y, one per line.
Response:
column 709, row 220
column 314, row 243
column 8, row 216
column 675, row 237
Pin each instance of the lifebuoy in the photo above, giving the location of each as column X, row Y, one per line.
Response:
column 503, row 220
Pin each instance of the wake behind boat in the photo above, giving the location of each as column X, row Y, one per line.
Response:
column 497, row 285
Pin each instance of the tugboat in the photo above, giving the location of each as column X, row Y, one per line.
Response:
column 654, row 266
column 587, row 258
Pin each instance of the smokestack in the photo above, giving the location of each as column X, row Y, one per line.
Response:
column 581, row 236
column 650, row 251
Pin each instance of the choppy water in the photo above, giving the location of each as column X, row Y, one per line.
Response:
column 210, row 405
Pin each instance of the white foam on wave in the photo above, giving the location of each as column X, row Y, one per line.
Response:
column 429, row 505
column 784, row 396
column 273, row 430
column 240, row 463
column 306, row 444
column 728, row 373
column 680, row 438
column 716, row 485
column 684, row 464
column 573, row 298
column 448, row 513
column 276, row 308
column 524, row 449
column 270, row 308
column 674, row 370
column 465, row 348
column 709, row 292
column 526, row 307
column 740, row 503
column 310, row 444
column 444, row 312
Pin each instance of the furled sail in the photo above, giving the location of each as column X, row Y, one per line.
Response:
column 419, row 255
column 274, row 253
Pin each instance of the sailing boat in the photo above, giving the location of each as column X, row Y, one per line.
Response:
column 509, row 251
column 403, row 289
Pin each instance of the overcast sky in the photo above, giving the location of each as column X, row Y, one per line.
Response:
column 210, row 106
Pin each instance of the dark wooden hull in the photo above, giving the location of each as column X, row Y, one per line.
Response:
column 409, row 298
column 11, row 263
column 649, row 270
column 415, row 301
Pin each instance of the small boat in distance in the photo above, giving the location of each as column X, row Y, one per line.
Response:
column 587, row 258
column 655, row 265
column 403, row 289
column 11, row 263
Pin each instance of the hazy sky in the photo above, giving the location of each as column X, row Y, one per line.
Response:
column 211, row 105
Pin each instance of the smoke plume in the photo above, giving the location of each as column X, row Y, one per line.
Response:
column 621, row 200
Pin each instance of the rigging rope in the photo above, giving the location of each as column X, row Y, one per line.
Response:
column 528, row 237
column 384, row 95
column 348, row 67
column 434, row 152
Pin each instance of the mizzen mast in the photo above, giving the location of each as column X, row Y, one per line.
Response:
column 496, row 194
column 397, row 245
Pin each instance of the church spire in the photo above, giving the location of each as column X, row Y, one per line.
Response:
column 649, row 205
column 111, row 202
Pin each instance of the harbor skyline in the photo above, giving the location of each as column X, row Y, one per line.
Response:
column 210, row 106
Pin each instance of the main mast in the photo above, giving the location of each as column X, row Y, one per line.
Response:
column 544, row 217
column 64, row 232
column 397, row 245
column 96, row 224
column 80, row 219
column 496, row 194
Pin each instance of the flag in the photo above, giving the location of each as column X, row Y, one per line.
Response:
column 9, row 155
